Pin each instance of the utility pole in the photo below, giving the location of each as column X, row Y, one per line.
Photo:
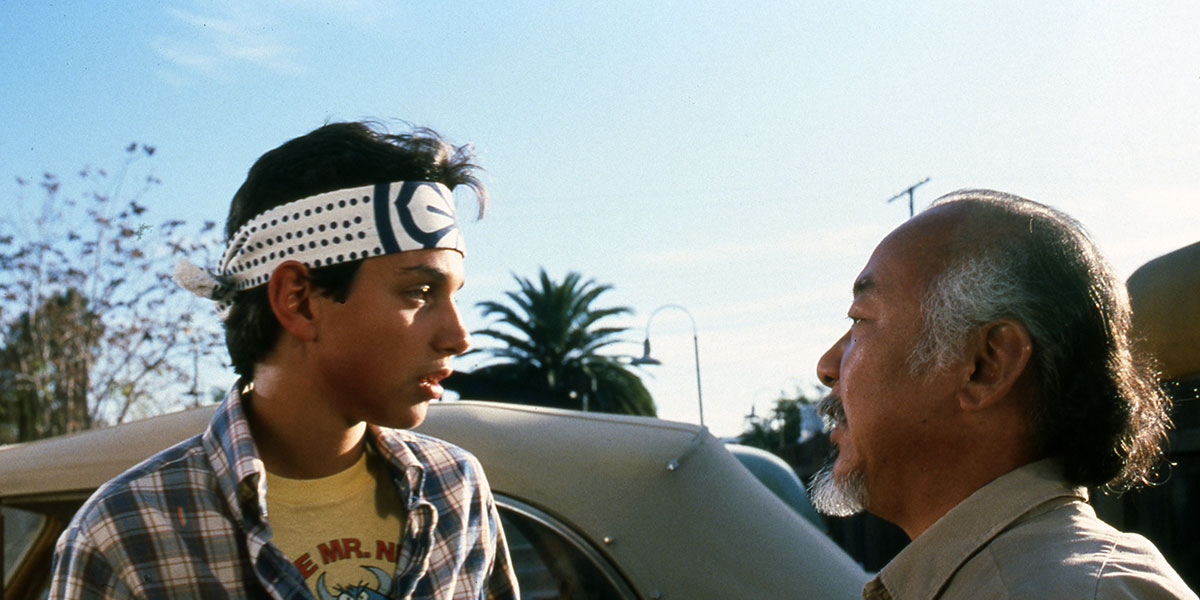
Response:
column 909, row 192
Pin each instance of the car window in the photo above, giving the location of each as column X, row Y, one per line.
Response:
column 553, row 562
column 21, row 529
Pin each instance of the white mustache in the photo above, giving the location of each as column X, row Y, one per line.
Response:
column 831, row 411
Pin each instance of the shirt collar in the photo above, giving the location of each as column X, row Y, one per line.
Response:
column 241, row 474
column 407, row 470
column 926, row 565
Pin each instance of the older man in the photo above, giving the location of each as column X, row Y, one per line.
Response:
column 985, row 381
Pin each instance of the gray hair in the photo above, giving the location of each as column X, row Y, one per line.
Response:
column 830, row 495
column 972, row 291
column 1099, row 409
column 838, row 497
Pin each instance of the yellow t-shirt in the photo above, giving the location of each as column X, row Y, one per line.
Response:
column 342, row 532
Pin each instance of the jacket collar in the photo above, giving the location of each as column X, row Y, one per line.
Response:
column 926, row 565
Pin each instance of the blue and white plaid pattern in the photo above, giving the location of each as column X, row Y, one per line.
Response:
column 191, row 522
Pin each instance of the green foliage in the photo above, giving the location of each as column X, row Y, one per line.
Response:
column 48, row 347
column 93, row 327
column 552, row 339
column 782, row 426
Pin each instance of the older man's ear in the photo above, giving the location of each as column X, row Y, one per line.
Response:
column 998, row 355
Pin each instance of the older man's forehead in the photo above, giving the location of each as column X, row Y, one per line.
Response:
column 912, row 253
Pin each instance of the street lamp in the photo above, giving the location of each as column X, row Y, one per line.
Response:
column 646, row 359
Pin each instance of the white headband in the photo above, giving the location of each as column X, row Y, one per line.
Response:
column 329, row 229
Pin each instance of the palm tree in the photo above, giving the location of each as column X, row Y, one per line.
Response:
column 551, row 348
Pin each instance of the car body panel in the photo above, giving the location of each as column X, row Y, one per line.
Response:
column 672, row 510
column 1166, row 310
column 705, row 529
column 81, row 462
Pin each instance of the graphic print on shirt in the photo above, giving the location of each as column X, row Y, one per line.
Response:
column 349, row 569
column 361, row 591
column 342, row 532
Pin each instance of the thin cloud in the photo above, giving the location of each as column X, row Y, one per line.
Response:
column 215, row 45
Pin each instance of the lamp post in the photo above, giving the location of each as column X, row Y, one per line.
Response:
column 646, row 359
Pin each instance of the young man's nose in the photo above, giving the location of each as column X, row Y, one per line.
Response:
column 454, row 339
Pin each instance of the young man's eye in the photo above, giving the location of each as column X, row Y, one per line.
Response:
column 421, row 293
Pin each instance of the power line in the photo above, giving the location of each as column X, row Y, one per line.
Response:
column 909, row 192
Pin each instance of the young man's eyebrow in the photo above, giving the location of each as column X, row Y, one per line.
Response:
column 433, row 273
column 427, row 271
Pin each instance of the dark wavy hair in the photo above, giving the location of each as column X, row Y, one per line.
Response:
column 332, row 157
column 1100, row 409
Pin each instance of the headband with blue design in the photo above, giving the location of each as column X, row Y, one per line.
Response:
column 329, row 229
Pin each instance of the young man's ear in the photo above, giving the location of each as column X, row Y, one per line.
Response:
column 290, row 292
column 999, row 352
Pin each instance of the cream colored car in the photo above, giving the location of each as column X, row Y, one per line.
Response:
column 595, row 506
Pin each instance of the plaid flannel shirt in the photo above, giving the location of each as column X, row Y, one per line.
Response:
column 191, row 522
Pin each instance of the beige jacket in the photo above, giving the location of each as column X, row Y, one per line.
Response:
column 1027, row 534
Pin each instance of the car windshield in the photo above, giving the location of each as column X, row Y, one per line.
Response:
column 20, row 533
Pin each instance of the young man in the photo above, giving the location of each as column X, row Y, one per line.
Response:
column 986, row 380
column 337, row 292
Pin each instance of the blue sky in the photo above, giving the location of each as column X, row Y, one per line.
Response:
column 734, row 157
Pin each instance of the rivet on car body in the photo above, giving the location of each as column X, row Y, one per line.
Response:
column 608, row 541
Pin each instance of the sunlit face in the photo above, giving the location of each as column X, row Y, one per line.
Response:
column 891, row 416
column 382, row 353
